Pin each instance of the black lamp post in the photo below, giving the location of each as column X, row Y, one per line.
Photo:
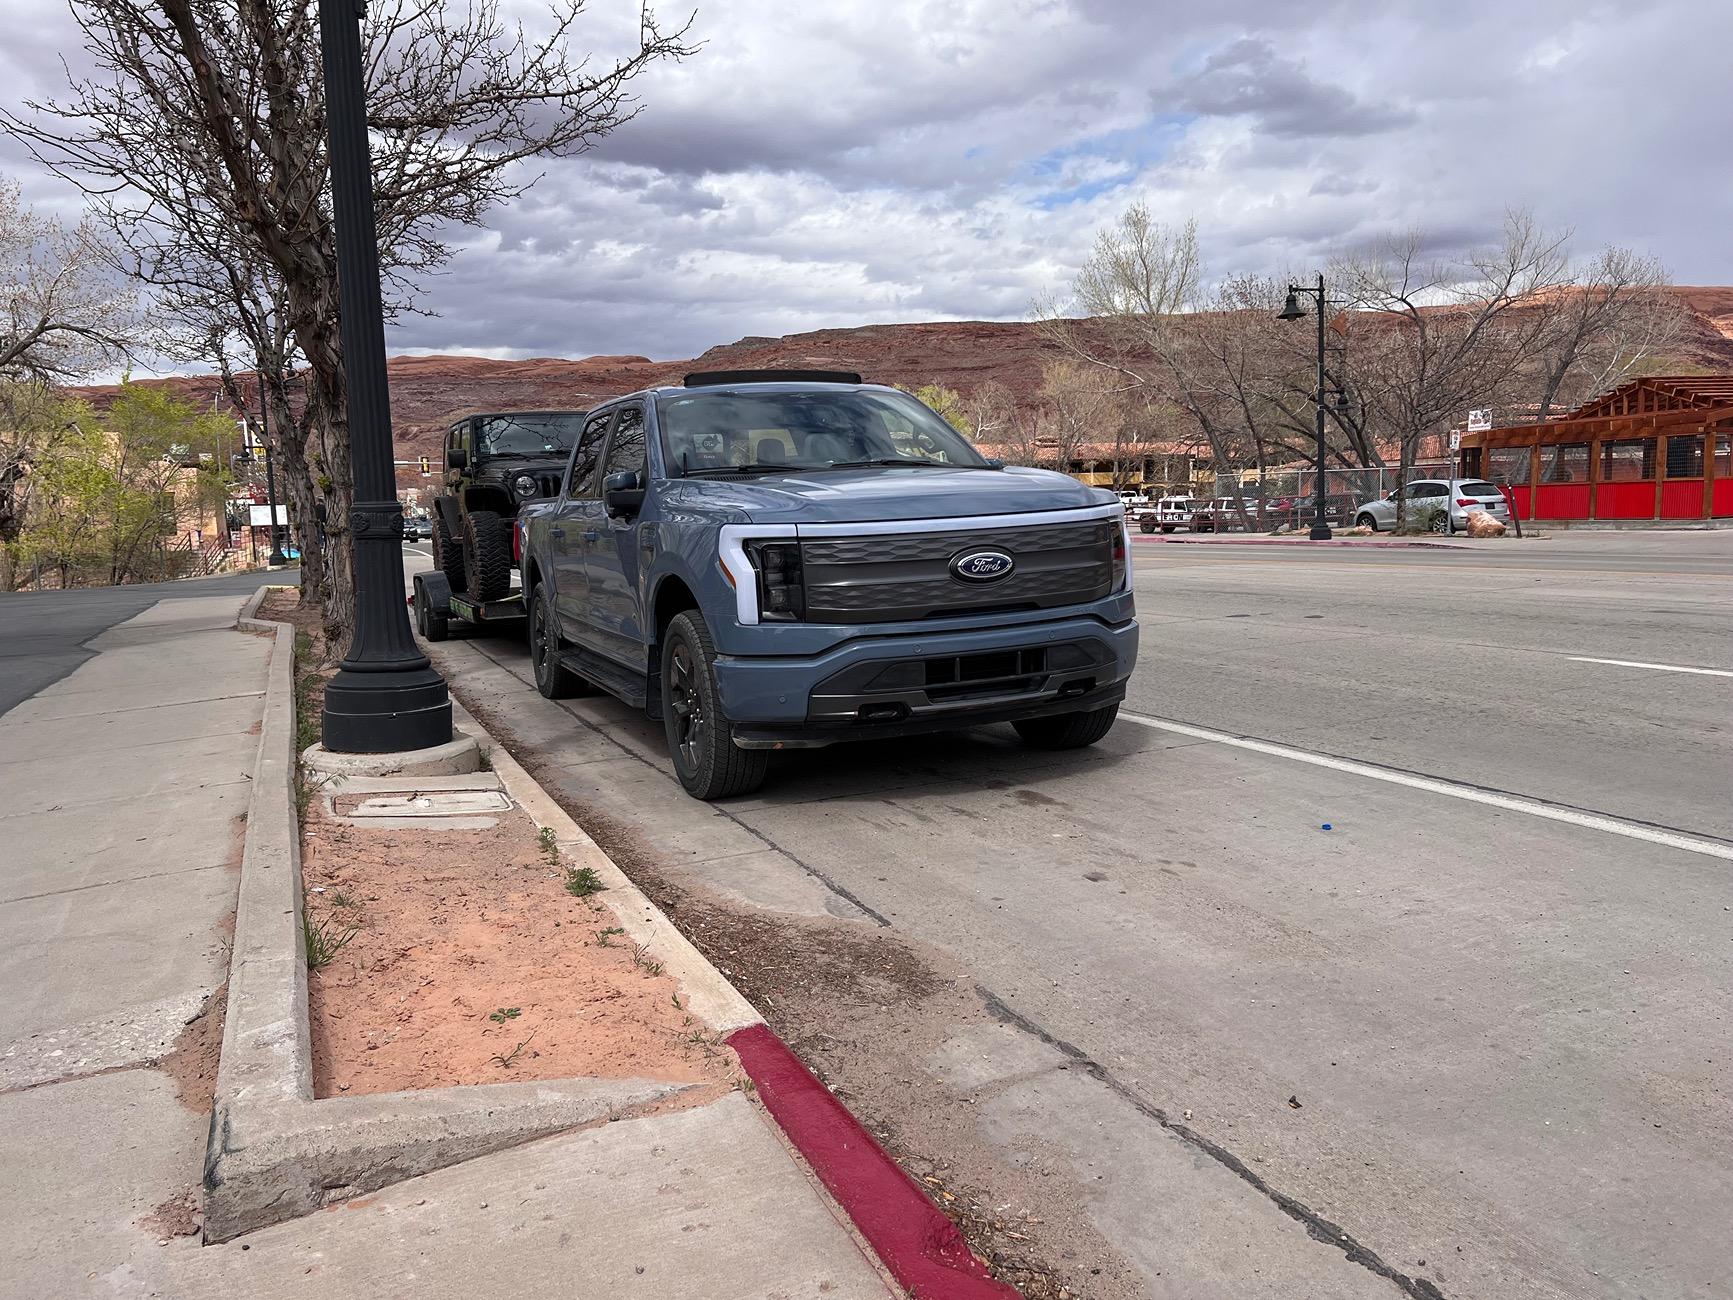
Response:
column 386, row 696
column 1293, row 311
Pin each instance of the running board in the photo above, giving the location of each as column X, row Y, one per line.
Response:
column 605, row 673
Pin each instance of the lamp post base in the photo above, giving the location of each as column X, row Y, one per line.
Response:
column 1320, row 533
column 386, row 712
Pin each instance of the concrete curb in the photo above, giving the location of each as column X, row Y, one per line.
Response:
column 274, row 1152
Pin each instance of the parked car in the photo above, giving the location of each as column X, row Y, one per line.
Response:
column 1167, row 514
column 494, row 464
column 1446, row 503
column 773, row 560
column 417, row 528
column 1217, row 514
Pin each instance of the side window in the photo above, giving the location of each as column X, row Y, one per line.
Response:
column 581, row 473
column 627, row 449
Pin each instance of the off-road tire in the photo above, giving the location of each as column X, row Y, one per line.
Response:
column 1146, row 525
column 706, row 759
column 1067, row 730
column 552, row 680
column 487, row 555
column 447, row 554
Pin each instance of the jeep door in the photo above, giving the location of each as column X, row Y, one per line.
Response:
column 567, row 526
column 615, row 628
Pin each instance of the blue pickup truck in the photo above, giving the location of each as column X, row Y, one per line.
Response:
column 770, row 560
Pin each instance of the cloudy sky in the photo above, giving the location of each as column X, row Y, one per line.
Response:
column 856, row 161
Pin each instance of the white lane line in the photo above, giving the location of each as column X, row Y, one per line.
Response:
column 1660, row 668
column 1510, row 803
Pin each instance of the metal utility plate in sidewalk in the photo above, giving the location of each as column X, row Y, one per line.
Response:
column 469, row 802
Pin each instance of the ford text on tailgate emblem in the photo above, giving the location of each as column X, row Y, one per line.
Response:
column 982, row 566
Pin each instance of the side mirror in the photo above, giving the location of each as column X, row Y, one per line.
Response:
column 993, row 462
column 457, row 458
column 623, row 493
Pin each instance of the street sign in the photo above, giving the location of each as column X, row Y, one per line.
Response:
column 1479, row 419
column 260, row 516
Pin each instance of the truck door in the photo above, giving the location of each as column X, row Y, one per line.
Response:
column 567, row 529
column 611, row 567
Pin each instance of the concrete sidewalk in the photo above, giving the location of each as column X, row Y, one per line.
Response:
column 126, row 787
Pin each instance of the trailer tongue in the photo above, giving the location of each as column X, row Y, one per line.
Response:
column 436, row 605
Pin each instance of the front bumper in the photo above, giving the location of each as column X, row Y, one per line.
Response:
column 908, row 684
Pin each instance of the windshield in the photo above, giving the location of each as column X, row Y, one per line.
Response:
column 527, row 435
column 805, row 430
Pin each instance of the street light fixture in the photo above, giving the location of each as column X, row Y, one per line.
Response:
column 386, row 696
column 1291, row 310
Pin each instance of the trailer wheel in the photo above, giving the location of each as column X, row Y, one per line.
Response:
column 447, row 554
column 487, row 555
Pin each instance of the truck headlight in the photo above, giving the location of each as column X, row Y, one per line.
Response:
column 1120, row 541
column 781, row 580
column 524, row 486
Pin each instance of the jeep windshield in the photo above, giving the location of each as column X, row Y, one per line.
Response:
column 771, row 432
column 527, row 435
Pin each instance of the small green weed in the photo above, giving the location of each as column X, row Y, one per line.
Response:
column 340, row 899
column 606, row 937
column 581, row 882
column 505, row 1059
column 649, row 965
column 324, row 944
column 550, row 846
column 504, row 1014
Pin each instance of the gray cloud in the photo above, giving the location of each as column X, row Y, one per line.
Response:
column 1249, row 77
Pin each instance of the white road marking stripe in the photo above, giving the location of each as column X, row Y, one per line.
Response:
column 1660, row 668
column 1510, row 803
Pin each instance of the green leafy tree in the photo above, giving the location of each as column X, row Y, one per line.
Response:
column 114, row 490
column 947, row 402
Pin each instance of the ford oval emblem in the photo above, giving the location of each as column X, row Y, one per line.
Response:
column 982, row 566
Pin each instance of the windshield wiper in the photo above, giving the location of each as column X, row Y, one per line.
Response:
column 754, row 468
column 887, row 460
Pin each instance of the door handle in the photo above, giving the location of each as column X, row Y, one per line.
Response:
column 590, row 537
column 556, row 532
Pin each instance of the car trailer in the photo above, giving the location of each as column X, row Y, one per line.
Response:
column 436, row 605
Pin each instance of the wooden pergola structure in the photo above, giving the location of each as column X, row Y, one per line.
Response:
column 1657, row 448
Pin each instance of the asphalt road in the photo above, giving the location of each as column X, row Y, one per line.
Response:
column 1382, row 949
column 43, row 633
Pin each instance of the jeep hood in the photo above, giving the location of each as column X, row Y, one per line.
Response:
column 885, row 493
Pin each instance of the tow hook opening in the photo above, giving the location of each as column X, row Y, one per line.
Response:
column 889, row 711
column 1076, row 686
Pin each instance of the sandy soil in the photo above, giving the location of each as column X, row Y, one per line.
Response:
column 470, row 963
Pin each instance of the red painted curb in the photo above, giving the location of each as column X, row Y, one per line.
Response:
column 921, row 1247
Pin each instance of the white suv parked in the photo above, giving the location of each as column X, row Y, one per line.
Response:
column 1167, row 514
column 1448, row 501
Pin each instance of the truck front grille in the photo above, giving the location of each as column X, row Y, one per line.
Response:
column 898, row 577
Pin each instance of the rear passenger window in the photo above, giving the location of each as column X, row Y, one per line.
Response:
column 627, row 450
column 581, row 474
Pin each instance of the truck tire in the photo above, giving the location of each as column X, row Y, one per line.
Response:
column 552, row 680
column 447, row 554
column 700, row 739
column 486, row 555
column 1146, row 526
column 1067, row 730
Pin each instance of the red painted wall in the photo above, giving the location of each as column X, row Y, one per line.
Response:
column 1625, row 501
column 1722, row 508
column 1562, row 501
column 1682, row 498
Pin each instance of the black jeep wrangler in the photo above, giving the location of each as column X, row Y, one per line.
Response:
column 494, row 464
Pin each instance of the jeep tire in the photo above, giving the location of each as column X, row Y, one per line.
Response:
column 700, row 739
column 447, row 554
column 486, row 555
column 1067, row 730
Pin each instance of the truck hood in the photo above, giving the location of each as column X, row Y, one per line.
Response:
column 885, row 493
